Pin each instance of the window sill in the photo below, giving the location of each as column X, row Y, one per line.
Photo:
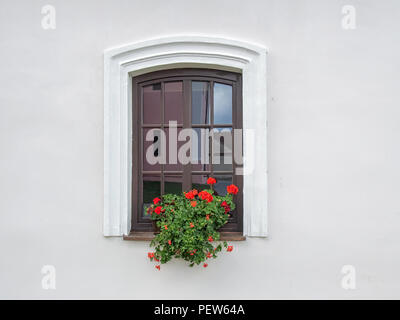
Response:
column 148, row 236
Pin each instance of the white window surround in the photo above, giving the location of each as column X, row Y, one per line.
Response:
column 125, row 62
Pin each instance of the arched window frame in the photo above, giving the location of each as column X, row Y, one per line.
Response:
column 123, row 63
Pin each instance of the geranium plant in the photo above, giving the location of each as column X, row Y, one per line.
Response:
column 187, row 225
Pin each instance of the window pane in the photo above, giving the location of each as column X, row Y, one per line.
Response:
column 173, row 102
column 172, row 148
column 222, row 103
column 200, row 102
column 173, row 184
column 199, row 181
column 222, row 182
column 151, row 190
column 222, row 149
column 152, row 149
column 200, row 150
column 152, row 104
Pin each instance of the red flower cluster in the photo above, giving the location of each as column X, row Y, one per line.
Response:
column 158, row 210
column 191, row 194
column 205, row 206
column 211, row 181
column 232, row 189
column 226, row 206
column 204, row 195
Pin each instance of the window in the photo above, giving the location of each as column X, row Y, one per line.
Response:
column 124, row 63
column 196, row 110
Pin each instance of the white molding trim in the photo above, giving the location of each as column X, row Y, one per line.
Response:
column 121, row 63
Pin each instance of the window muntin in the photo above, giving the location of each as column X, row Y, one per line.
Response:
column 194, row 98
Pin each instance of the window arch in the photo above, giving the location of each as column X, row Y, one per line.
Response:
column 127, row 61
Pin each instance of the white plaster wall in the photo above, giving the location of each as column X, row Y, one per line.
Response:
column 334, row 132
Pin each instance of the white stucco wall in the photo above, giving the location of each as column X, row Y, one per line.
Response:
column 333, row 150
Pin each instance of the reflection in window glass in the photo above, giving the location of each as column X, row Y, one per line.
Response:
column 153, row 149
column 173, row 184
column 200, row 157
column 152, row 103
column 172, row 163
column 199, row 182
column 173, row 102
column 222, row 103
column 222, row 149
column 151, row 190
column 200, row 102
column 222, row 182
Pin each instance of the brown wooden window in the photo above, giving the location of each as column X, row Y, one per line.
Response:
column 204, row 100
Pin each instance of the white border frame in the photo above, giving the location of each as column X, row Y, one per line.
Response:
column 121, row 63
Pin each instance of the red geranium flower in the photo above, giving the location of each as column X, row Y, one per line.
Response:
column 205, row 265
column 158, row 210
column 165, row 227
column 232, row 189
column 207, row 217
column 226, row 206
column 210, row 239
column 204, row 195
column 189, row 195
column 158, row 267
column 229, row 249
column 209, row 255
column 156, row 200
column 169, row 242
column 193, row 203
column 150, row 255
column 195, row 192
column 211, row 181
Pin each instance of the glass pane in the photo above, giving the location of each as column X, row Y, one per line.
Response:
column 152, row 104
column 151, row 190
column 173, row 102
column 200, row 102
column 222, row 182
column 172, row 148
column 199, row 182
column 152, row 149
column 222, row 149
column 173, row 184
column 200, row 150
column 222, row 103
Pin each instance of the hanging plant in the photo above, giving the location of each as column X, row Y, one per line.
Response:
column 186, row 225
